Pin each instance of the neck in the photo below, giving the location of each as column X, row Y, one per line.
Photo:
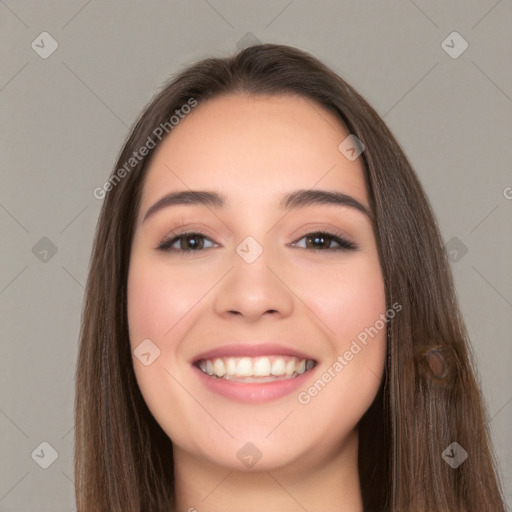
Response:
column 328, row 484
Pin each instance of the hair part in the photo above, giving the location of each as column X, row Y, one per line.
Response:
column 429, row 395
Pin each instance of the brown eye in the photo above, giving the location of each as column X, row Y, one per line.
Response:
column 186, row 242
column 322, row 241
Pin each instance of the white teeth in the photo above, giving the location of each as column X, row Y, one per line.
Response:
column 258, row 369
column 261, row 367
column 278, row 367
column 290, row 367
column 244, row 367
column 218, row 367
column 230, row 366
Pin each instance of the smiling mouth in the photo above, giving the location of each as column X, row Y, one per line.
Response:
column 255, row 369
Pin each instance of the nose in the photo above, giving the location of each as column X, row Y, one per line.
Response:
column 253, row 290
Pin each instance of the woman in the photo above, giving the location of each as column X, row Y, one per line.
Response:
column 270, row 319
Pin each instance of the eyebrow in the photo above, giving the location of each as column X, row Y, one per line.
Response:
column 296, row 199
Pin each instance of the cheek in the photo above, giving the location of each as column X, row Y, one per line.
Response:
column 157, row 311
column 161, row 309
column 163, row 305
column 352, row 306
column 360, row 306
column 158, row 304
column 347, row 300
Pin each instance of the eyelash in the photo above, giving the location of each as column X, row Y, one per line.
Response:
column 344, row 245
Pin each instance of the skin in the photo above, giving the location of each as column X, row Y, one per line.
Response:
column 254, row 149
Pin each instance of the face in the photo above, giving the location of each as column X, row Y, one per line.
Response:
column 283, row 302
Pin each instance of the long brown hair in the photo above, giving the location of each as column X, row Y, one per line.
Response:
column 429, row 397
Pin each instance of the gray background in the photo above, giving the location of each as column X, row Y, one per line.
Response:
column 65, row 117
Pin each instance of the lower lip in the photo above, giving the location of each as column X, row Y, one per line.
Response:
column 253, row 392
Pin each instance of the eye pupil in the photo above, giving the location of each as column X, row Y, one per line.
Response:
column 191, row 243
column 319, row 240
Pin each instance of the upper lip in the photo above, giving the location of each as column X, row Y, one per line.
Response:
column 251, row 350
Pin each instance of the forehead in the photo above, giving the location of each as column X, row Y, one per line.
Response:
column 254, row 146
